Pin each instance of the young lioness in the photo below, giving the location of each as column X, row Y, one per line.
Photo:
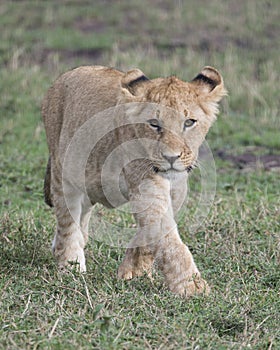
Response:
column 115, row 137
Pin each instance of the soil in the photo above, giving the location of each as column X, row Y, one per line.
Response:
column 45, row 56
column 250, row 160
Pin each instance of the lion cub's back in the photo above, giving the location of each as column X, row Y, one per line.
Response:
column 76, row 96
column 96, row 85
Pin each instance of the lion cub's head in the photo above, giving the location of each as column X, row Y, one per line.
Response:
column 170, row 116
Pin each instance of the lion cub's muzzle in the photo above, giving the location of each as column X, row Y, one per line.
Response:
column 178, row 161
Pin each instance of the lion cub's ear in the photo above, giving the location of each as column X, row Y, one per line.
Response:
column 209, row 83
column 132, row 82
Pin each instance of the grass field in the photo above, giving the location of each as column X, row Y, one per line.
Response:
column 237, row 247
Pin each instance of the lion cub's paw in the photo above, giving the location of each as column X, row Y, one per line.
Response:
column 72, row 265
column 127, row 272
column 75, row 261
column 190, row 287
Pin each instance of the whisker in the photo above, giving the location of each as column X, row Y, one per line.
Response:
column 201, row 166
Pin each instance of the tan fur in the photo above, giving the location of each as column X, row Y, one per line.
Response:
column 78, row 96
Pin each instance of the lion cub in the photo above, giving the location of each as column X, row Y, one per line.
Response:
column 117, row 137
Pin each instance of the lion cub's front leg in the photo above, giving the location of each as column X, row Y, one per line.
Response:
column 145, row 200
column 137, row 261
column 176, row 262
column 158, row 239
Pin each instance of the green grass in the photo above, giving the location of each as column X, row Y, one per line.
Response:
column 236, row 248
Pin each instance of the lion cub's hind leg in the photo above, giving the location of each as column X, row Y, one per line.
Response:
column 70, row 238
column 85, row 219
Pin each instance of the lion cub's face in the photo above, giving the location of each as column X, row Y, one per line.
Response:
column 170, row 117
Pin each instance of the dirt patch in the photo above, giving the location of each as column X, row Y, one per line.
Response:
column 250, row 160
column 200, row 42
column 47, row 56
column 90, row 25
column 90, row 54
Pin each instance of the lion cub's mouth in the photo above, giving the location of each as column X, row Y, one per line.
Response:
column 188, row 169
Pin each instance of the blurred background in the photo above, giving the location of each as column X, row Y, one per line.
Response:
column 42, row 39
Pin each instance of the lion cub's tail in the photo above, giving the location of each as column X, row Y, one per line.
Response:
column 47, row 185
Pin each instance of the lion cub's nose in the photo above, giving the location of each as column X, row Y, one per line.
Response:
column 171, row 159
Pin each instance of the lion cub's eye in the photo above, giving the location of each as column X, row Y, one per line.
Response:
column 154, row 123
column 189, row 122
